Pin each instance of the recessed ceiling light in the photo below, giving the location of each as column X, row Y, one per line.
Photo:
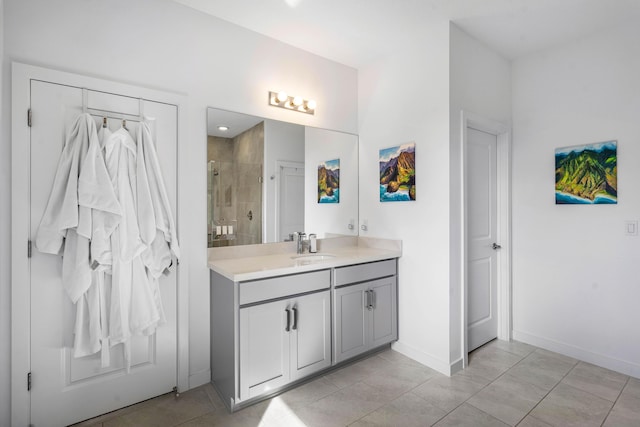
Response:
column 223, row 128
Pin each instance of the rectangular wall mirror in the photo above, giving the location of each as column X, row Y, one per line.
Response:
column 267, row 179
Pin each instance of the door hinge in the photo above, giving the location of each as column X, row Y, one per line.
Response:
column 29, row 381
column 28, row 248
column 29, row 117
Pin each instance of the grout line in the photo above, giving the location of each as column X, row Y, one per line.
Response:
column 549, row 392
column 616, row 401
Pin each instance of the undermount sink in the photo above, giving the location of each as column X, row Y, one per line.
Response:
column 312, row 257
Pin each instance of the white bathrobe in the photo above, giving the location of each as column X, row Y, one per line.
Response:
column 81, row 188
column 133, row 308
column 158, row 230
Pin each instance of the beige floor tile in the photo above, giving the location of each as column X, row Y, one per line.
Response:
column 357, row 371
column 284, row 405
column 515, row 347
column 530, row 421
column 399, row 379
column 542, row 369
column 567, row 359
column 625, row 412
column 632, row 388
column 490, row 363
column 221, row 418
column 407, row 411
column 309, row 392
column 495, row 354
column 448, row 392
column 596, row 380
column 343, row 407
column 398, row 358
column 508, row 399
column 467, row 416
column 566, row 406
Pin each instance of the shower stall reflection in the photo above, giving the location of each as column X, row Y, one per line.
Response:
column 234, row 188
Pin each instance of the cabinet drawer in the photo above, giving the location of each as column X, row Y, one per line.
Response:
column 363, row 272
column 283, row 286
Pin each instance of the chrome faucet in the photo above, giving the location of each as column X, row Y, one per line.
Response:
column 300, row 239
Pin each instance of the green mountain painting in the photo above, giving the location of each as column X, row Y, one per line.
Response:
column 329, row 181
column 587, row 174
column 398, row 173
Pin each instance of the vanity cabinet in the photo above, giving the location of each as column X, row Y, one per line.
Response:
column 267, row 333
column 282, row 341
column 365, row 308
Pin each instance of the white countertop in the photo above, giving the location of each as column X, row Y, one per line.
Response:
column 345, row 251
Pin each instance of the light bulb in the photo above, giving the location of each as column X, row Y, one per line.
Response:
column 223, row 128
column 311, row 104
column 282, row 96
column 297, row 101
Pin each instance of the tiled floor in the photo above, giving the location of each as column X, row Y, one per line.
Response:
column 505, row 384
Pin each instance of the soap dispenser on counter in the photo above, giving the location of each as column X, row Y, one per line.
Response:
column 313, row 244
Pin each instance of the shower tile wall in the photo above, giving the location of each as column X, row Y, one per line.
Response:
column 248, row 154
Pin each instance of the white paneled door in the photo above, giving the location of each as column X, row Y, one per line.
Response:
column 64, row 389
column 481, row 191
column 291, row 200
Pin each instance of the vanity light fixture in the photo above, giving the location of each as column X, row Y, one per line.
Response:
column 295, row 103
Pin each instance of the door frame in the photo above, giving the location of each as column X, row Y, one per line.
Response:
column 503, row 237
column 279, row 165
column 22, row 74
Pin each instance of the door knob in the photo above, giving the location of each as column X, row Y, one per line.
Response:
column 495, row 246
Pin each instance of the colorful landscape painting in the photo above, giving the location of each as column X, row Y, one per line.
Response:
column 398, row 173
column 329, row 181
column 587, row 174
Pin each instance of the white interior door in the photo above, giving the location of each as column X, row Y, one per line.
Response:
column 64, row 389
column 291, row 200
column 481, row 191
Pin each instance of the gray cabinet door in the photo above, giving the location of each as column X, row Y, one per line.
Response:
column 383, row 324
column 363, row 322
column 264, row 347
column 350, row 322
column 310, row 334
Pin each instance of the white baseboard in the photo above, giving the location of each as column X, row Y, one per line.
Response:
column 426, row 359
column 608, row 362
column 199, row 378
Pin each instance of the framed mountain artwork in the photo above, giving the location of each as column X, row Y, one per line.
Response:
column 587, row 174
column 329, row 181
column 398, row 173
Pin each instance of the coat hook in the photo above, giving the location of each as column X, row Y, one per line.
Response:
column 124, row 124
column 104, row 122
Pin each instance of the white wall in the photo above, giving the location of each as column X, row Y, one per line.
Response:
column 282, row 141
column 575, row 273
column 480, row 83
column 321, row 145
column 405, row 98
column 163, row 45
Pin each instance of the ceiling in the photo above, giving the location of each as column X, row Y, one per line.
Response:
column 356, row 32
column 235, row 122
